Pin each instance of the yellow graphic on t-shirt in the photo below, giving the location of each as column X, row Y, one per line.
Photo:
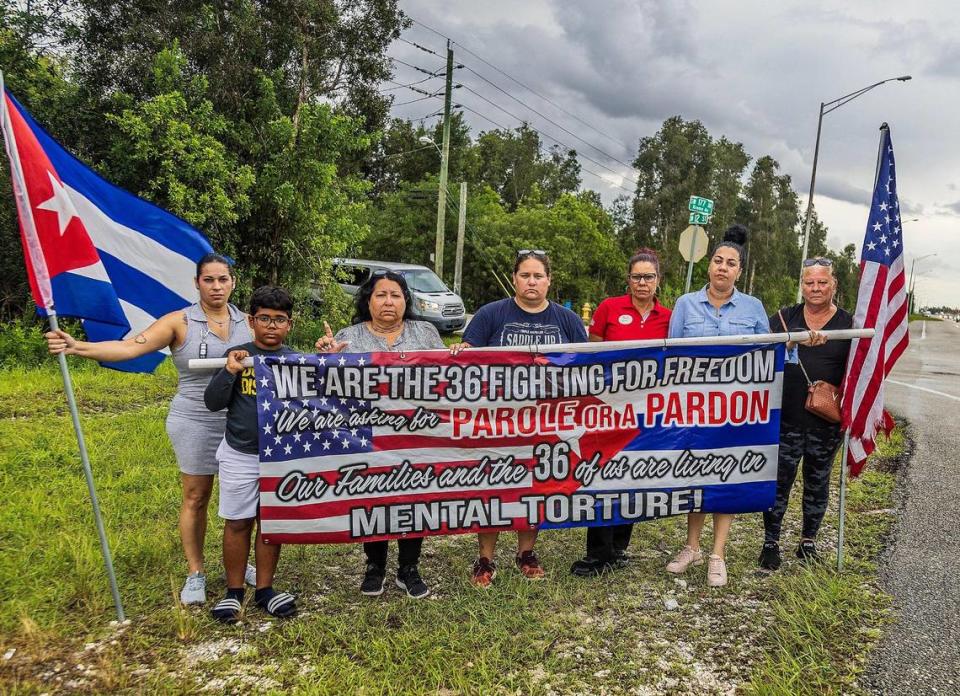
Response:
column 248, row 383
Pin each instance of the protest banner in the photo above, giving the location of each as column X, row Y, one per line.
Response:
column 359, row 447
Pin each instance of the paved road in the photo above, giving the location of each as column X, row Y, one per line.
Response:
column 921, row 652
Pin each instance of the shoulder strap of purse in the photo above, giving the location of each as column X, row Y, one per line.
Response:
column 799, row 362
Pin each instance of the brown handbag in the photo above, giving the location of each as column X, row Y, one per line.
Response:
column 823, row 398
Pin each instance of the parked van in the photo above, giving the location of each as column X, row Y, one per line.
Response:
column 432, row 300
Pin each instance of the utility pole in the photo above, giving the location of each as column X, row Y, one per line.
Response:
column 461, row 229
column 444, row 161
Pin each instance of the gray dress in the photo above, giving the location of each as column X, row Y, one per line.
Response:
column 416, row 335
column 194, row 431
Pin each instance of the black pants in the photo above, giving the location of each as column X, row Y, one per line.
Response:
column 408, row 552
column 817, row 447
column 603, row 543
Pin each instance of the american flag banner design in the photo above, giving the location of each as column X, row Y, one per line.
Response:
column 368, row 446
column 881, row 305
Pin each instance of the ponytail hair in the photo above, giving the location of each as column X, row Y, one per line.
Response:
column 735, row 237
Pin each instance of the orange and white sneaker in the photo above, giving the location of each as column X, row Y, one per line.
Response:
column 484, row 571
column 529, row 565
column 684, row 559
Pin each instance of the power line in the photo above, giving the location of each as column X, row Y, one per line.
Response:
column 525, row 86
column 409, row 84
column 545, row 135
column 542, row 149
column 422, row 48
column 408, row 152
column 414, row 101
column 431, row 73
column 549, row 120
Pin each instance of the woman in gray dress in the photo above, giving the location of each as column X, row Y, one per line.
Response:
column 206, row 328
column 381, row 322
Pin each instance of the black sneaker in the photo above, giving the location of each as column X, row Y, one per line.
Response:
column 592, row 567
column 807, row 551
column 770, row 556
column 408, row 578
column 621, row 556
column 372, row 585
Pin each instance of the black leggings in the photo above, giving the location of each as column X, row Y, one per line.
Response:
column 408, row 552
column 817, row 447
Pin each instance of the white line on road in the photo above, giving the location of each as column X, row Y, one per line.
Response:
column 923, row 331
column 924, row 389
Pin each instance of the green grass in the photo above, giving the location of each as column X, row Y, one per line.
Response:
column 797, row 631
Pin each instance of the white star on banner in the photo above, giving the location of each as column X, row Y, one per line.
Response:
column 264, row 382
column 267, row 429
column 267, row 452
column 287, row 449
column 326, row 445
column 306, row 446
column 877, row 227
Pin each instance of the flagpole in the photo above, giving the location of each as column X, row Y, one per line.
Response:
column 841, row 525
column 87, row 472
column 843, row 499
column 42, row 279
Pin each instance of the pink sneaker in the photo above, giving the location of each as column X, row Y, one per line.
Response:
column 683, row 560
column 716, row 571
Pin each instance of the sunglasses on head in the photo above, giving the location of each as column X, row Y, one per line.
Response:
column 531, row 252
column 817, row 261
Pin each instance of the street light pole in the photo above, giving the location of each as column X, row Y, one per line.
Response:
column 826, row 108
column 913, row 265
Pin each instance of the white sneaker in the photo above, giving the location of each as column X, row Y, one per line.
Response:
column 684, row 559
column 716, row 571
column 250, row 575
column 194, row 589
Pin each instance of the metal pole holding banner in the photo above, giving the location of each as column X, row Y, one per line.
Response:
column 598, row 346
column 843, row 499
column 42, row 278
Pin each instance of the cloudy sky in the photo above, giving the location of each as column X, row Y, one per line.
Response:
column 753, row 71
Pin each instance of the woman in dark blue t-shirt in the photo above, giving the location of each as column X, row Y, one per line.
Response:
column 527, row 318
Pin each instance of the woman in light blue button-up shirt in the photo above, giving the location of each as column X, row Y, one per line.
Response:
column 718, row 309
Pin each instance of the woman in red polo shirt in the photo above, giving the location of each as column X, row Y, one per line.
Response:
column 631, row 317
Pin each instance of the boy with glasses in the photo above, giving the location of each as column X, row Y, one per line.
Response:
column 235, row 389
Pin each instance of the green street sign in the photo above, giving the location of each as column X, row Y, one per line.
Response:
column 700, row 205
column 699, row 218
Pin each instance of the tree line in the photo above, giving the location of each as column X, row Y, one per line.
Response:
column 264, row 125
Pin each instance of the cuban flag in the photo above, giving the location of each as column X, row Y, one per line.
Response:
column 93, row 250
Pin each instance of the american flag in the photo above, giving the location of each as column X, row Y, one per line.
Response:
column 882, row 306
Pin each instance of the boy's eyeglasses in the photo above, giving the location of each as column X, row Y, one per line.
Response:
column 642, row 277
column 264, row 320
column 817, row 261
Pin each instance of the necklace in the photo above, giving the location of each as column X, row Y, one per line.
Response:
column 215, row 321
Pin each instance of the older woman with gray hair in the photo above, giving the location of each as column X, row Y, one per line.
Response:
column 382, row 323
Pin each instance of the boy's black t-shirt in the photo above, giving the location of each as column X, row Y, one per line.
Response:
column 238, row 394
column 827, row 362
